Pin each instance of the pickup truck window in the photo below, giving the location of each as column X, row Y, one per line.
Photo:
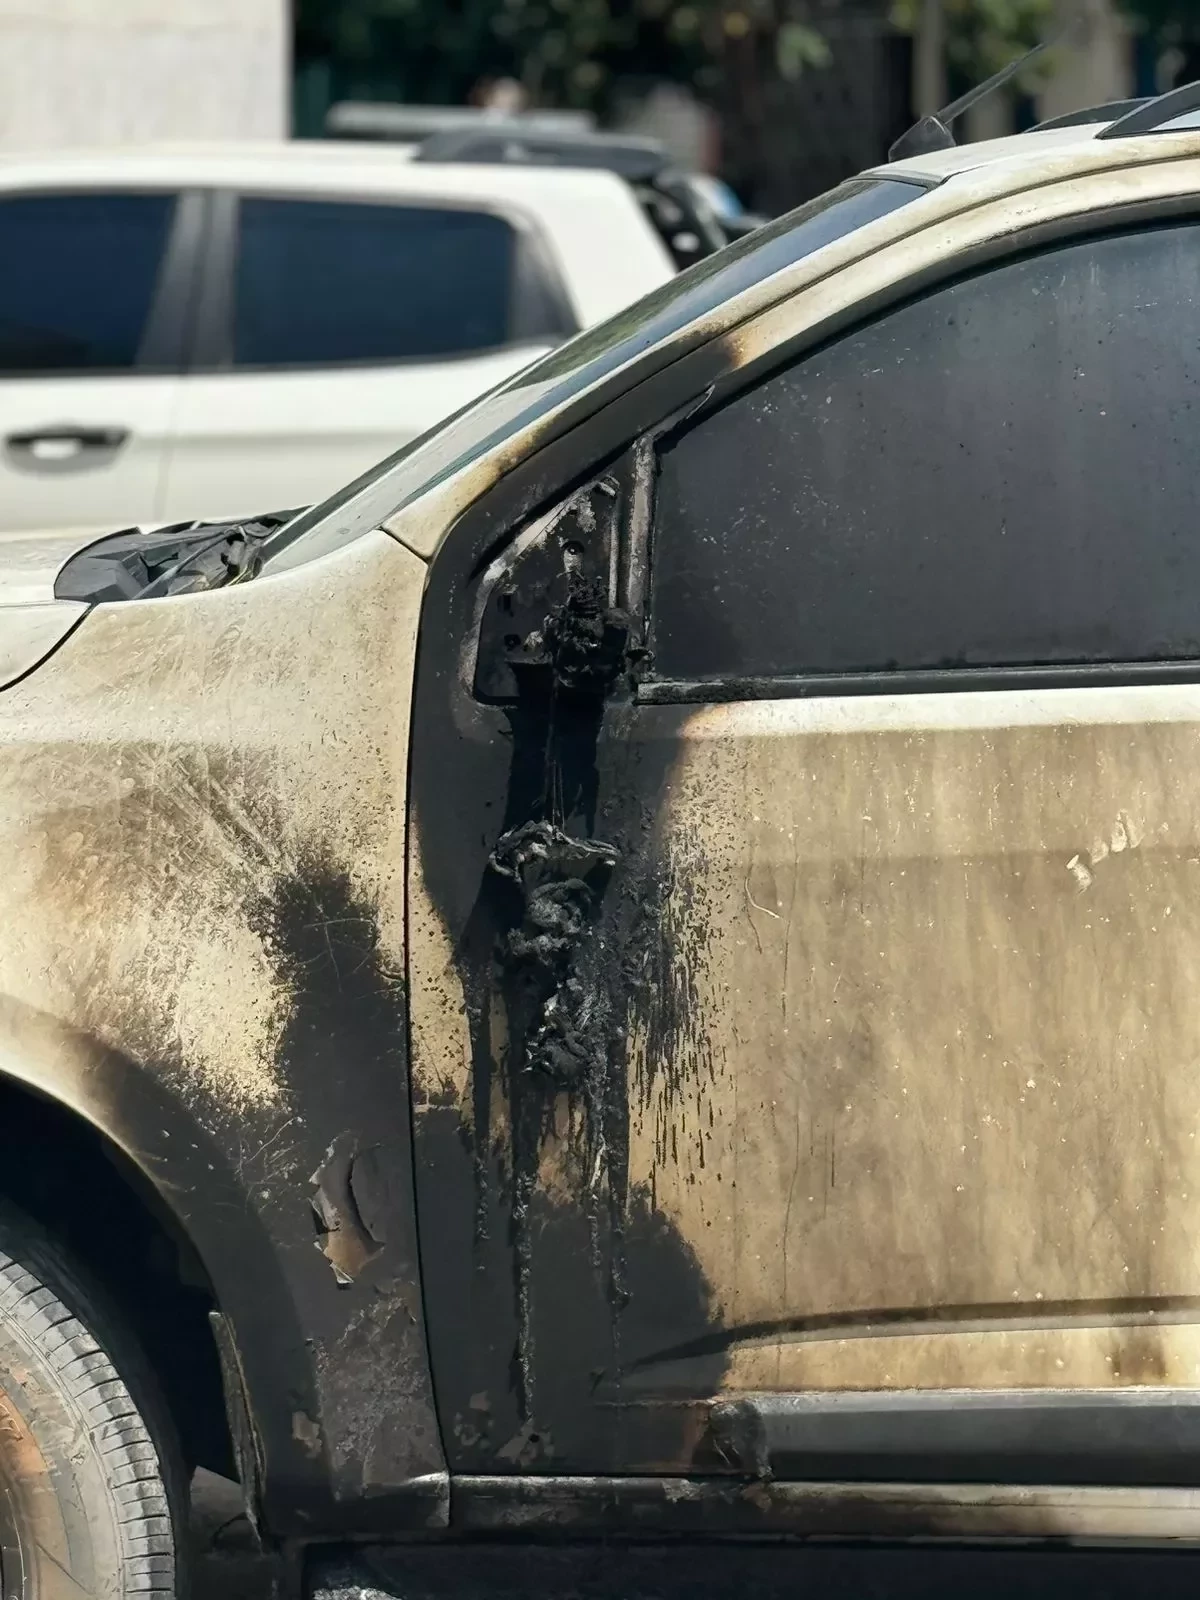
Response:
column 78, row 274
column 329, row 282
column 1002, row 473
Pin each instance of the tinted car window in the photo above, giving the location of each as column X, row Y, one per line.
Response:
column 1003, row 472
column 78, row 274
column 548, row 386
column 323, row 281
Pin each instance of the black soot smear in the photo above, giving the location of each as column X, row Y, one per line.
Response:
column 543, row 1013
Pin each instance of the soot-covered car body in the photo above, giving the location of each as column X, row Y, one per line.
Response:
column 642, row 958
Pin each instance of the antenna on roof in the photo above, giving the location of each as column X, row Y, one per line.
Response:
column 933, row 133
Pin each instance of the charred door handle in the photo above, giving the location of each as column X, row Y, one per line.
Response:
column 65, row 448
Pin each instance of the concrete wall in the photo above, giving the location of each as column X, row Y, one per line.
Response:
column 1095, row 65
column 88, row 72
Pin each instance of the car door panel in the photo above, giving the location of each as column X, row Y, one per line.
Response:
column 82, row 452
column 796, row 1047
column 954, row 1150
column 940, row 1157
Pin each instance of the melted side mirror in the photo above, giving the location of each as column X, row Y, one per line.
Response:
column 569, row 552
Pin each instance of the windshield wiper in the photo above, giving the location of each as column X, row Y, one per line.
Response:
column 184, row 558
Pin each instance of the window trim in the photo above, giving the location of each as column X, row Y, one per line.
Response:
column 162, row 349
column 212, row 350
column 796, row 342
column 212, row 326
column 925, row 680
column 168, row 330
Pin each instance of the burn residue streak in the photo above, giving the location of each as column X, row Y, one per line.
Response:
column 546, row 884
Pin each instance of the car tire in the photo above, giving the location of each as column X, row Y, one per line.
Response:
column 92, row 1492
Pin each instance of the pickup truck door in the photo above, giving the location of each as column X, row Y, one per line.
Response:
column 803, row 1012
column 333, row 331
column 94, row 298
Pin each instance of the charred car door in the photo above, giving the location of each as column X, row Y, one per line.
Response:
column 803, row 909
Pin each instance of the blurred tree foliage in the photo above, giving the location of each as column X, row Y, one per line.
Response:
column 1167, row 21
column 563, row 52
column 980, row 36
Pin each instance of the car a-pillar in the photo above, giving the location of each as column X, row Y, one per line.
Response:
column 539, row 853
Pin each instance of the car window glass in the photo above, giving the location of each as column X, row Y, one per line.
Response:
column 1000, row 473
column 78, row 274
column 325, row 281
column 644, row 332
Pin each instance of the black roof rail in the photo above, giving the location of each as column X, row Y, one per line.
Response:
column 1110, row 111
column 637, row 160
column 1150, row 117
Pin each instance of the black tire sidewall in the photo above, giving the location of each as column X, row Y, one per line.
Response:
column 87, row 1452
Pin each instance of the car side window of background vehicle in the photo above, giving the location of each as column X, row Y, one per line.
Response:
column 79, row 273
column 323, row 282
column 347, row 327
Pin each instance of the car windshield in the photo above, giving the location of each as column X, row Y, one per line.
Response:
column 575, row 366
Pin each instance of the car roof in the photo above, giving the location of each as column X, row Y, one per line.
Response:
column 302, row 164
column 1025, row 160
column 1026, row 149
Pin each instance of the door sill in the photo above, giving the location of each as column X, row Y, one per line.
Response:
column 719, row 1508
column 490, row 1569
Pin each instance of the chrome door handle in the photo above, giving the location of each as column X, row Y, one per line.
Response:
column 65, row 448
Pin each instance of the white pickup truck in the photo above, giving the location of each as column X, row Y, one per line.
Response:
column 196, row 332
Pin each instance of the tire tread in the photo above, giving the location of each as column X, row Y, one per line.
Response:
column 41, row 1295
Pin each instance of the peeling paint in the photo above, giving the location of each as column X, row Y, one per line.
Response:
column 307, row 1433
column 384, row 1412
column 526, row 1447
column 346, row 1241
column 1080, row 873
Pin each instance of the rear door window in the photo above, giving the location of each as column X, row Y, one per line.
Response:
column 323, row 283
column 79, row 275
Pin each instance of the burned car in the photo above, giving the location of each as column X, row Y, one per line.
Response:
column 633, row 972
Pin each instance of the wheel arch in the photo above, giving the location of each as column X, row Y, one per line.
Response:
column 109, row 1153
